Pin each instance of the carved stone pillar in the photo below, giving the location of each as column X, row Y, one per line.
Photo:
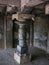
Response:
column 28, row 34
column 21, row 55
column 22, row 34
column 22, row 40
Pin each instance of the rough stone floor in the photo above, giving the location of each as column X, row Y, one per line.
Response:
column 39, row 57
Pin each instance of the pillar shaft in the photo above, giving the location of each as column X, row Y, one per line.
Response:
column 5, row 27
column 21, row 55
column 22, row 47
column 22, row 35
column 31, row 33
column 28, row 34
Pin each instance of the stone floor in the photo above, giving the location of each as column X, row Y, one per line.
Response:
column 39, row 57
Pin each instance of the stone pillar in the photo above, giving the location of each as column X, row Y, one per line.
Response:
column 31, row 33
column 22, row 39
column 5, row 33
column 21, row 55
column 28, row 34
column 5, row 26
column 22, row 34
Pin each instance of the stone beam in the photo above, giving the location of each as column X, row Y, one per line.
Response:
column 12, row 9
column 10, row 2
column 21, row 16
column 9, row 9
column 31, row 3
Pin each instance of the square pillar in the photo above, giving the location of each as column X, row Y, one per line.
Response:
column 31, row 33
column 21, row 55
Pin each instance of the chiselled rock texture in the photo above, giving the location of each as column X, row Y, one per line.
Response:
column 41, row 32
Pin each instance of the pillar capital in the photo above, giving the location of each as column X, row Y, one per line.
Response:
column 21, row 16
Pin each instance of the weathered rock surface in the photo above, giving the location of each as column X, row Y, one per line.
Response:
column 7, row 58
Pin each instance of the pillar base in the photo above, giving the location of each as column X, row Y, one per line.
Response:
column 21, row 59
column 21, row 55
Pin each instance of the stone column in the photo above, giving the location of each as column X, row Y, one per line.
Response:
column 5, row 25
column 21, row 55
column 31, row 33
column 22, row 39
column 28, row 34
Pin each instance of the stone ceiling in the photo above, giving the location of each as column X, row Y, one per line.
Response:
column 20, row 3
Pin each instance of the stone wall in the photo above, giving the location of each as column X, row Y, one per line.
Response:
column 48, row 37
column 41, row 32
column 9, row 32
column 1, row 32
